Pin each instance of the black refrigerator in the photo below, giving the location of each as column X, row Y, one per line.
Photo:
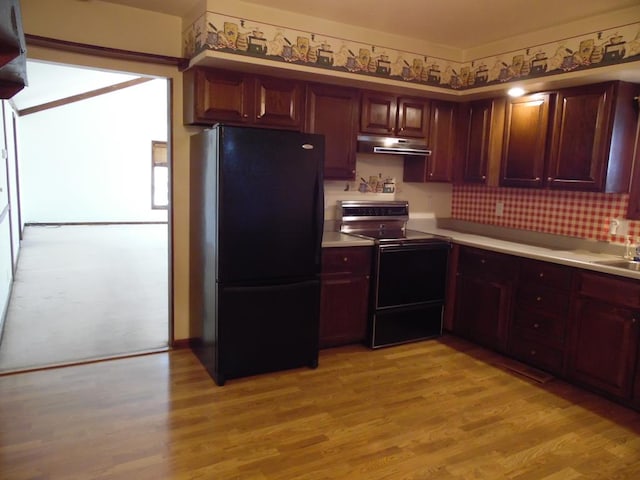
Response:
column 257, row 213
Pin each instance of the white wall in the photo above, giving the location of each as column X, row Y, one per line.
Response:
column 90, row 161
column 425, row 199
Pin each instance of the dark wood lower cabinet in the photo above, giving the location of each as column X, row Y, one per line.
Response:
column 604, row 347
column 483, row 296
column 538, row 332
column 604, row 334
column 580, row 325
column 346, row 272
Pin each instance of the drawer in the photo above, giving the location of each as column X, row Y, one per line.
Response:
column 536, row 354
column 545, row 273
column 547, row 329
column 544, row 299
column 352, row 260
column 610, row 289
column 486, row 264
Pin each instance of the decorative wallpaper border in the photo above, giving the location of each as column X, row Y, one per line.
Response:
column 214, row 31
column 575, row 214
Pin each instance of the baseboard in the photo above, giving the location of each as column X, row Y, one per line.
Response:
column 5, row 309
column 183, row 343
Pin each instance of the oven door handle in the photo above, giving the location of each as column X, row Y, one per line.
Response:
column 415, row 245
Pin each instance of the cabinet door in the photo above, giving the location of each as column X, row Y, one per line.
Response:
column 604, row 342
column 343, row 309
column 482, row 310
column 333, row 112
column 442, row 141
column 413, row 117
column 477, row 151
column 221, row 97
column 278, row 103
column 438, row 167
column 523, row 155
column 581, row 131
column 378, row 113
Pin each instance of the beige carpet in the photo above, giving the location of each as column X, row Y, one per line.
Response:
column 87, row 292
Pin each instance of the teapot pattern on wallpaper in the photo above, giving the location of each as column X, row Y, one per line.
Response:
column 213, row 31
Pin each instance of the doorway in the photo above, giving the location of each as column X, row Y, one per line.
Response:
column 92, row 278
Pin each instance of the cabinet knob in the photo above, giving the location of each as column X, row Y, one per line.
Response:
column 536, row 325
column 431, row 174
column 245, row 115
column 538, row 299
column 482, row 260
column 541, row 274
column 353, row 171
column 537, row 179
column 345, row 259
column 533, row 353
column 634, row 320
column 549, row 179
column 484, row 177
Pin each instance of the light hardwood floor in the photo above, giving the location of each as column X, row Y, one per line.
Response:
column 438, row 409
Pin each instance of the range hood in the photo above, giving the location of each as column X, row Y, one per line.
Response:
column 391, row 145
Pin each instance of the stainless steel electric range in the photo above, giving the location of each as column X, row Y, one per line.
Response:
column 409, row 276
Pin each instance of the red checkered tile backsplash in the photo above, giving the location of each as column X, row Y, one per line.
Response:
column 575, row 214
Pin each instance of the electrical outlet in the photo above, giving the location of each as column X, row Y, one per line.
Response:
column 499, row 209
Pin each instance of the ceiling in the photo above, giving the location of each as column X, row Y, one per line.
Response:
column 476, row 23
column 470, row 22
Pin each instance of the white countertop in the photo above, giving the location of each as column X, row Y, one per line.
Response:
column 336, row 239
column 578, row 257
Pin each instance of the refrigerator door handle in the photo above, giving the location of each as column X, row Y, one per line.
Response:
column 319, row 212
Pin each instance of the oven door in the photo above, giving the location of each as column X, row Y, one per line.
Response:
column 411, row 273
column 409, row 292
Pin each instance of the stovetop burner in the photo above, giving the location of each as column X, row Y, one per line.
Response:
column 384, row 222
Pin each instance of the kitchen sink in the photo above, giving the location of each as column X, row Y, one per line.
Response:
column 619, row 263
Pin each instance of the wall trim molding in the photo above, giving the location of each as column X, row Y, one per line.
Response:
column 82, row 96
column 97, row 50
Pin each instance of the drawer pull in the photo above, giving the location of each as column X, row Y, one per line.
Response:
column 536, row 325
column 541, row 274
column 482, row 260
column 533, row 353
column 538, row 299
column 345, row 259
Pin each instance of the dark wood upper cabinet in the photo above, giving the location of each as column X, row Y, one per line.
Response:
column 633, row 211
column 525, row 140
column 413, row 117
column 278, row 102
column 476, row 155
column 387, row 114
column 378, row 113
column 438, row 167
column 333, row 112
column 593, row 132
column 13, row 58
column 213, row 96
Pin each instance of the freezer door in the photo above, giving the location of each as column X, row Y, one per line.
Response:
column 271, row 205
column 265, row 329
